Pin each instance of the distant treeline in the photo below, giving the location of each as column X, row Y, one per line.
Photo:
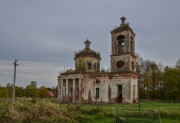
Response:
column 29, row 91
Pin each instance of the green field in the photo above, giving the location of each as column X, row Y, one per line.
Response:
column 50, row 111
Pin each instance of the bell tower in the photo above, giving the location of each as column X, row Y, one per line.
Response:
column 123, row 49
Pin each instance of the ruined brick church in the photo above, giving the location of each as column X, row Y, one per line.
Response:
column 87, row 84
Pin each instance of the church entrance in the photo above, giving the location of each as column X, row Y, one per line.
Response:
column 119, row 93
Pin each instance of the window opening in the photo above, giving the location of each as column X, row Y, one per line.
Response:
column 89, row 66
column 97, row 93
column 121, row 43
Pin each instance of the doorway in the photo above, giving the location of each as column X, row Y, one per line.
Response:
column 119, row 93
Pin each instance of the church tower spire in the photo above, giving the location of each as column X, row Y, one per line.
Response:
column 87, row 44
column 123, row 19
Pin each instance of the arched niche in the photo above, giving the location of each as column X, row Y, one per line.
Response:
column 121, row 42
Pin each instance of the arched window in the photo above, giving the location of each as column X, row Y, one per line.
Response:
column 89, row 66
column 97, row 93
column 121, row 42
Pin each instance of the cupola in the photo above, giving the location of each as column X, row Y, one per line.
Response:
column 87, row 60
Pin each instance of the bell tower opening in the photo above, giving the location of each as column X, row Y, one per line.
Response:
column 121, row 42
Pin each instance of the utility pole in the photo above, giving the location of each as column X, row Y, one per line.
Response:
column 15, row 65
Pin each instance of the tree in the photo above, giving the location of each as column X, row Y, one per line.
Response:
column 3, row 92
column 156, row 77
column 19, row 91
column 43, row 92
column 33, row 83
column 161, row 67
column 171, row 78
column 140, row 70
column 30, row 91
column 9, row 88
column 149, row 77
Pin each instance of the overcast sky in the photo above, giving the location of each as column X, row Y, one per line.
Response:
column 43, row 34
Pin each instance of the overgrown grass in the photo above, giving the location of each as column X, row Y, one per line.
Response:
column 169, row 112
column 50, row 111
column 42, row 111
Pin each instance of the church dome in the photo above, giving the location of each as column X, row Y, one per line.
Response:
column 87, row 52
column 87, row 60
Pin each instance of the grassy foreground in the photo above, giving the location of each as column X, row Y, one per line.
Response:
column 49, row 111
